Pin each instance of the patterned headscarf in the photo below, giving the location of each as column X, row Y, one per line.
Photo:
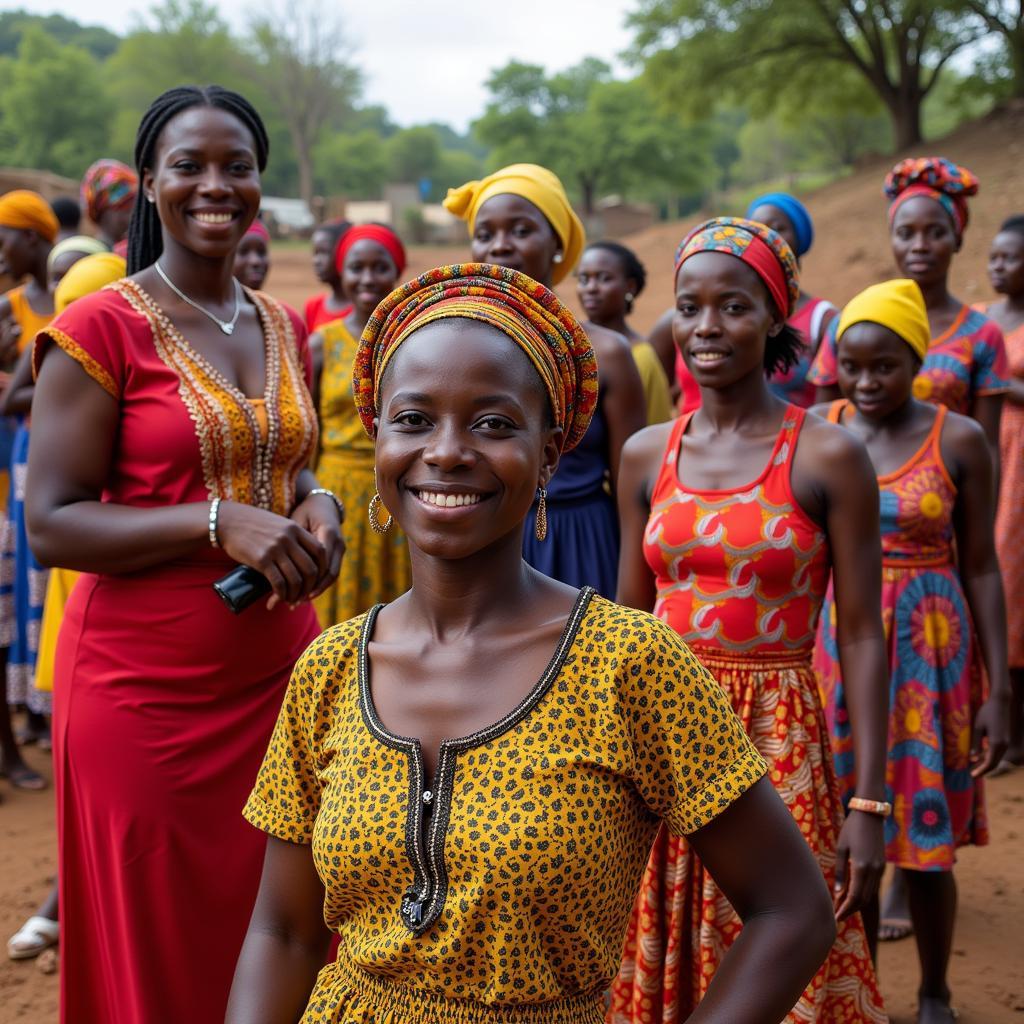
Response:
column 762, row 249
column 108, row 185
column 536, row 185
column 519, row 307
column 937, row 178
column 384, row 236
column 26, row 210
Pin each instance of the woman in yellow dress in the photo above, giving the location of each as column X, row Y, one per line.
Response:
column 370, row 259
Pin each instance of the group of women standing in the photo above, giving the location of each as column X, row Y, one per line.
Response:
column 565, row 835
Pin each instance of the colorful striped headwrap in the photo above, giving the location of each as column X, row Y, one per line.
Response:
column 523, row 310
column 940, row 179
column 762, row 249
column 108, row 185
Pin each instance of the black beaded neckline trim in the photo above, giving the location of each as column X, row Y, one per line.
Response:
column 424, row 900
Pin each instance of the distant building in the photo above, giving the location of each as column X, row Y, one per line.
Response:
column 286, row 218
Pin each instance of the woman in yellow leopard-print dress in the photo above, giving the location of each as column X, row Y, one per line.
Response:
column 376, row 566
column 488, row 879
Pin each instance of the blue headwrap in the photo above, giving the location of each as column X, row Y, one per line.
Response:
column 796, row 213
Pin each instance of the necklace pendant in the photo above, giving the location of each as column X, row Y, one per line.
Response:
column 227, row 328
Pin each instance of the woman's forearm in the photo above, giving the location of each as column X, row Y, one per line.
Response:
column 93, row 536
column 748, row 987
column 274, row 978
column 866, row 683
column 985, row 599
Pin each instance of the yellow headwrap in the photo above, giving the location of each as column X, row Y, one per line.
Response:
column 896, row 304
column 28, row 211
column 88, row 275
column 537, row 185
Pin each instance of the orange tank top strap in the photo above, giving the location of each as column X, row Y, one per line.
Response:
column 836, row 410
column 668, row 477
column 776, row 482
column 930, row 451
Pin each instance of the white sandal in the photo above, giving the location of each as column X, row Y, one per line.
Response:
column 35, row 935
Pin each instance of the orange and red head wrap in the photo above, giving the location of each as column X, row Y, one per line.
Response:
column 937, row 178
column 523, row 310
column 26, row 210
column 762, row 249
column 379, row 233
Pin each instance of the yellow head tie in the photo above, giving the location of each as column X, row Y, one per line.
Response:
column 897, row 305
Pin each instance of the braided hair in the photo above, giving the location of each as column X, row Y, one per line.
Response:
column 145, row 240
column 632, row 268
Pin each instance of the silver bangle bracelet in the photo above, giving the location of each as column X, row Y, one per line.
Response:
column 214, row 513
column 330, row 494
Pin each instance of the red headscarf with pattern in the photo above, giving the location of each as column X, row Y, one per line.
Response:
column 937, row 178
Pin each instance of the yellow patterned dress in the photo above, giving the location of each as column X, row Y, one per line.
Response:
column 376, row 566
column 500, row 892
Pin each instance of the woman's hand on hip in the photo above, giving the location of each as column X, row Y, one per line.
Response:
column 291, row 557
column 319, row 516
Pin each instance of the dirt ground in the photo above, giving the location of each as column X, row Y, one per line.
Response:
column 850, row 252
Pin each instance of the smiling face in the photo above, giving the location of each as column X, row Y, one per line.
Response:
column 205, row 182
column 723, row 319
column 511, row 232
column 876, row 369
column 601, row 285
column 368, row 275
column 324, row 243
column 252, row 261
column 1006, row 263
column 463, row 438
column 923, row 241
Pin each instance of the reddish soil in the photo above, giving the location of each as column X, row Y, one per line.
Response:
column 850, row 252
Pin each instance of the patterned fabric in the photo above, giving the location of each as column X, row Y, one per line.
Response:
column 25, row 210
column 508, row 897
column 1010, row 515
column 376, row 566
column 937, row 178
column 108, row 185
column 22, row 590
column 963, row 364
column 537, row 185
column 897, row 305
column 766, row 251
column 935, row 670
column 810, row 321
column 740, row 574
column 519, row 307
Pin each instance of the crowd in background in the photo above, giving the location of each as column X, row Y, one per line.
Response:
column 822, row 508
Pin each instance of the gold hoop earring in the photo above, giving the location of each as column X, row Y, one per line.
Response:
column 540, row 528
column 374, row 513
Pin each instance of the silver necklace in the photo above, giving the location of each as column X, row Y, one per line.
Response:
column 227, row 326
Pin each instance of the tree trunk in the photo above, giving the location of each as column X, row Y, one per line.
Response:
column 905, row 112
column 588, row 186
column 1015, row 44
column 304, row 158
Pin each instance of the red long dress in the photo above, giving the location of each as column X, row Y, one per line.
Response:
column 741, row 574
column 163, row 700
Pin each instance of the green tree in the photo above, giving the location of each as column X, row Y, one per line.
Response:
column 1005, row 18
column 597, row 134
column 13, row 25
column 414, row 154
column 54, row 111
column 693, row 49
column 353, row 165
column 306, row 81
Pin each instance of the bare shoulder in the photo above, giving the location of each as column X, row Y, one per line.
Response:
column 647, row 445
column 830, row 451
column 608, row 345
column 964, row 438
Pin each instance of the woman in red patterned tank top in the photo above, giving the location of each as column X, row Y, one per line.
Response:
column 732, row 518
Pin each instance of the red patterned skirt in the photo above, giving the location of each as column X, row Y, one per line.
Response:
column 682, row 925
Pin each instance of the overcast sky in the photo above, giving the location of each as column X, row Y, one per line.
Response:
column 427, row 62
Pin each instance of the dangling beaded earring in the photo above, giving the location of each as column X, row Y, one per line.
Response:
column 540, row 529
column 374, row 513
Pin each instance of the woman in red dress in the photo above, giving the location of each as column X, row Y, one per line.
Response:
column 732, row 518
column 173, row 430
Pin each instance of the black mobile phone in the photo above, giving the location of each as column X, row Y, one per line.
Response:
column 241, row 587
